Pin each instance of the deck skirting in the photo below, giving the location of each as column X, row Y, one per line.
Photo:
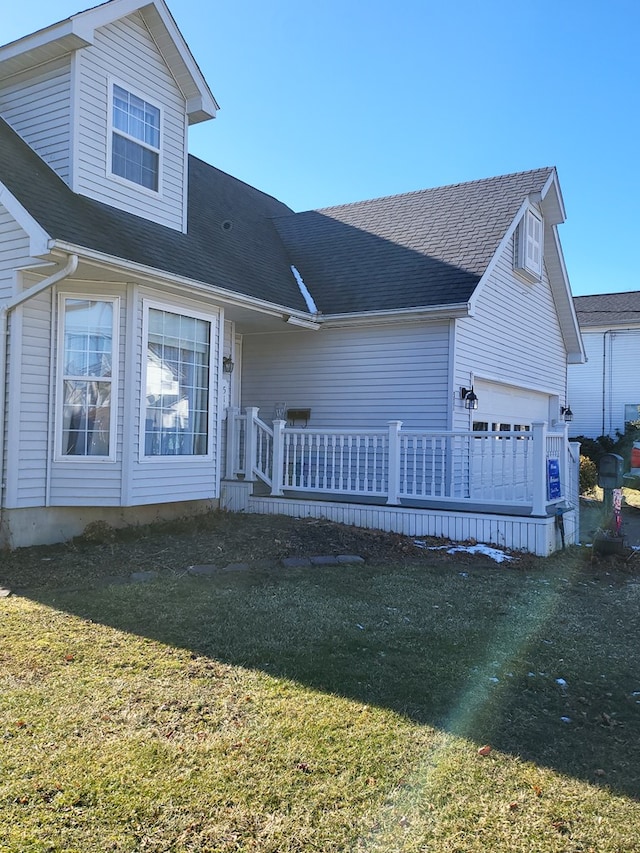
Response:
column 536, row 535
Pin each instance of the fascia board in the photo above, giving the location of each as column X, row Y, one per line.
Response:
column 552, row 201
column 65, row 31
column 562, row 294
column 201, row 104
column 155, row 275
column 39, row 239
column 399, row 315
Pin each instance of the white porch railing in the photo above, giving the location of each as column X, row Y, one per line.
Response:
column 474, row 468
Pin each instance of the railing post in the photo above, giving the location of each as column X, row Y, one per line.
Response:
column 231, row 457
column 250, row 442
column 574, row 499
column 277, row 465
column 393, row 474
column 539, row 469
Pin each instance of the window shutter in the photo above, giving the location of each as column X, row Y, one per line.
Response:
column 533, row 243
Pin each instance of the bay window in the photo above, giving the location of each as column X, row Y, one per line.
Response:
column 88, row 345
column 176, row 402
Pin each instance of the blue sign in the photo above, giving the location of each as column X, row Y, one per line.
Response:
column 553, row 479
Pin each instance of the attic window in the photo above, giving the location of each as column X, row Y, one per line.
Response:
column 135, row 139
column 529, row 246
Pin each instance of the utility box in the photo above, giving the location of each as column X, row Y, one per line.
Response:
column 611, row 471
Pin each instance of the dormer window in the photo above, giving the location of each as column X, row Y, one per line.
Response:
column 529, row 253
column 135, row 139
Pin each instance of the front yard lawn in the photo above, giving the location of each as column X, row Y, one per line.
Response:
column 326, row 709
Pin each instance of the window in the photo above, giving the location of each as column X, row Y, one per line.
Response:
column 135, row 139
column 632, row 415
column 87, row 347
column 176, row 415
column 529, row 246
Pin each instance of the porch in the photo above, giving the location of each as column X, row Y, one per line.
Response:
column 518, row 489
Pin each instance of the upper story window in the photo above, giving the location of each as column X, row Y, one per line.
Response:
column 135, row 139
column 529, row 246
column 87, row 375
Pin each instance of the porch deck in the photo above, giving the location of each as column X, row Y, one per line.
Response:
column 515, row 490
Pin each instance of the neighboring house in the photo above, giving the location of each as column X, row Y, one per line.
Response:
column 147, row 298
column 604, row 393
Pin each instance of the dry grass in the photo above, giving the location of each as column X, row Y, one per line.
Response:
column 336, row 709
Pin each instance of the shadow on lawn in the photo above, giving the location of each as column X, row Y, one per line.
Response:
column 543, row 666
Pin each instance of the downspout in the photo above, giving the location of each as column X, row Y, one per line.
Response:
column 604, row 378
column 5, row 309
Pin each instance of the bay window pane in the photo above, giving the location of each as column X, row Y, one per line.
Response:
column 87, row 365
column 86, row 418
column 177, row 392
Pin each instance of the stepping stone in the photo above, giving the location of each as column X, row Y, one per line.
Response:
column 236, row 567
column 296, row 562
column 143, row 577
column 113, row 580
column 324, row 561
column 349, row 558
column 265, row 563
column 204, row 571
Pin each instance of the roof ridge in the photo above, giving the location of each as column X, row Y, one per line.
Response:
column 241, row 181
column 430, row 189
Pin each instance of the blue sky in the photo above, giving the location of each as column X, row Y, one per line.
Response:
column 330, row 101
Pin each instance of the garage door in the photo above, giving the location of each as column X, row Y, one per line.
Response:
column 505, row 407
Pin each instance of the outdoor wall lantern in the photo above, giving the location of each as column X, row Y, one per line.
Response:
column 227, row 364
column 470, row 399
column 566, row 413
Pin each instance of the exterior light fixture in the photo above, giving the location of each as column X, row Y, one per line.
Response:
column 470, row 399
column 566, row 413
column 227, row 364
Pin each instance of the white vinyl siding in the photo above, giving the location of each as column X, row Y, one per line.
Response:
column 126, row 49
column 600, row 389
column 28, row 424
column 37, row 104
column 352, row 377
column 514, row 336
column 14, row 250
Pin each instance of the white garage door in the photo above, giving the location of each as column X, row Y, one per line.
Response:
column 502, row 407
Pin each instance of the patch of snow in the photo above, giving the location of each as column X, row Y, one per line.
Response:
column 494, row 553
column 304, row 290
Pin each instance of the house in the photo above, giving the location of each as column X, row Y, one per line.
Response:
column 605, row 392
column 176, row 340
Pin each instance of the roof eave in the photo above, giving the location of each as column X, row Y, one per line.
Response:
column 398, row 315
column 231, row 297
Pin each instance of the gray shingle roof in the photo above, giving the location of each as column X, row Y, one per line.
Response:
column 420, row 249
column 608, row 309
column 249, row 258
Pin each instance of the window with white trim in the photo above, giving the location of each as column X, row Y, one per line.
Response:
column 88, row 344
column 177, row 400
column 135, row 138
column 530, row 249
